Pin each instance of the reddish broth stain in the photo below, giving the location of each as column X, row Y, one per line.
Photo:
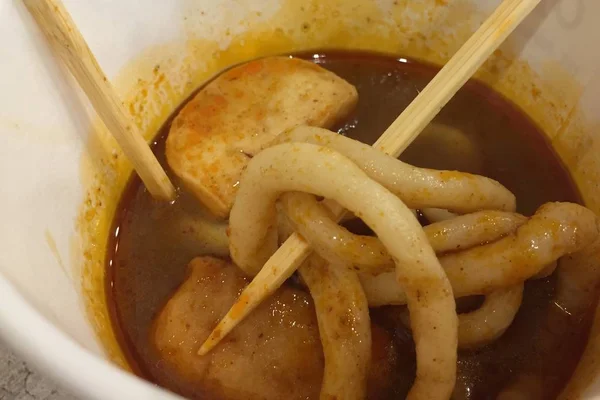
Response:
column 149, row 251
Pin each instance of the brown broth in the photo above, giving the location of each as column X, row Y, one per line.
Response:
column 150, row 249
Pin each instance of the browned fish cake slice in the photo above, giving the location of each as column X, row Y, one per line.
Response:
column 243, row 109
column 275, row 353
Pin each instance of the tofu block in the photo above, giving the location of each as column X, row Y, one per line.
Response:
column 240, row 111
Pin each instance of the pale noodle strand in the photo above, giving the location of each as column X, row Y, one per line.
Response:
column 494, row 316
column 417, row 187
column 491, row 226
column 382, row 290
column 466, row 231
column 325, row 172
column 437, row 214
column 556, row 229
column 331, row 241
column 344, row 327
column 366, row 254
column 491, row 320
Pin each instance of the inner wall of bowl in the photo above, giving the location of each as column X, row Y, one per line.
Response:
column 167, row 49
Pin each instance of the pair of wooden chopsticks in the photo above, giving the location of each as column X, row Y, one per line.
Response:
column 72, row 49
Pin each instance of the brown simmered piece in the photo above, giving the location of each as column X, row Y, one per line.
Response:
column 275, row 353
column 243, row 109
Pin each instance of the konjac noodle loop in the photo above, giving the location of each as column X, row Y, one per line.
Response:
column 417, row 187
column 344, row 327
column 438, row 283
column 555, row 230
column 293, row 167
column 366, row 253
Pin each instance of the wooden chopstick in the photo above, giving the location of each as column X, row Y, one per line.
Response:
column 68, row 43
column 401, row 133
column 459, row 69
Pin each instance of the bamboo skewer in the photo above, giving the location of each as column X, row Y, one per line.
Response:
column 462, row 66
column 68, row 43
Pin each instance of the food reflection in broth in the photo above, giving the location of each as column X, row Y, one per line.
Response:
column 478, row 132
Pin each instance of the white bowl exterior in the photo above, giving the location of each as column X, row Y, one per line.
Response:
column 44, row 121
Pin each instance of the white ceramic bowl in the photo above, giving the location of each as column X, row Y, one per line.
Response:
column 61, row 173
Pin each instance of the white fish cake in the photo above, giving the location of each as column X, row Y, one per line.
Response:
column 241, row 110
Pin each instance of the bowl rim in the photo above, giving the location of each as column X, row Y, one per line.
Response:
column 56, row 355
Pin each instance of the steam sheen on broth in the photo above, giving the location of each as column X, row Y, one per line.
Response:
column 478, row 132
